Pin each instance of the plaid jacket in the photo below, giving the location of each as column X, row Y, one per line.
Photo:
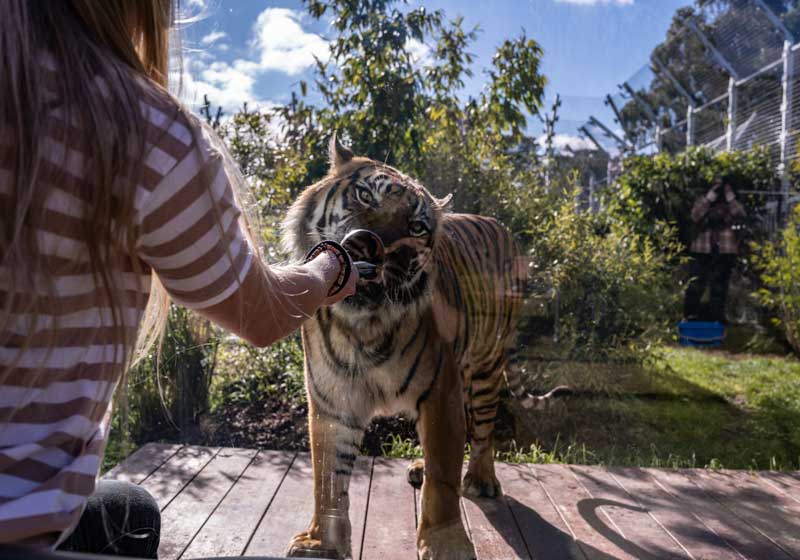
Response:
column 722, row 236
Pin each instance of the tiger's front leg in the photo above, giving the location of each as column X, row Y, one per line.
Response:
column 335, row 440
column 442, row 430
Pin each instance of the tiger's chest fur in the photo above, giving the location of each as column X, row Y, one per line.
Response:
column 386, row 361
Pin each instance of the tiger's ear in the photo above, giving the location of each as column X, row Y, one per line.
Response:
column 445, row 204
column 338, row 154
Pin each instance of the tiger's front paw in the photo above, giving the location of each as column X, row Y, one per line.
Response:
column 415, row 474
column 475, row 486
column 446, row 543
column 309, row 545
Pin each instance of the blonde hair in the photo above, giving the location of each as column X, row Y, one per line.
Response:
column 102, row 49
column 109, row 51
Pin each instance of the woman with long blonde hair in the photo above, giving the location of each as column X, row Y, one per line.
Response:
column 113, row 201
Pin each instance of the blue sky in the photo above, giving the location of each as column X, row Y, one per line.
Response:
column 257, row 50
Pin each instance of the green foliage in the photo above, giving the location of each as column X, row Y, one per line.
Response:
column 575, row 454
column 398, row 447
column 165, row 395
column 612, row 284
column 392, row 107
column 249, row 374
column 778, row 263
column 656, row 193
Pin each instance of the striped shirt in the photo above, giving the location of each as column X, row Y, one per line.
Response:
column 53, row 427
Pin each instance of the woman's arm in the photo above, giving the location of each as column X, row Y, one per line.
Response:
column 736, row 208
column 703, row 203
column 260, row 314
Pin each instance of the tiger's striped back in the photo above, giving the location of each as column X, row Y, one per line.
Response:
column 479, row 294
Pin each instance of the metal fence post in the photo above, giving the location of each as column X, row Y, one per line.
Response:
column 659, row 139
column 731, row 133
column 625, row 131
column 786, row 113
column 583, row 130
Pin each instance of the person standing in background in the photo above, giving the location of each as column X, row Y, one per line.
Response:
column 713, row 250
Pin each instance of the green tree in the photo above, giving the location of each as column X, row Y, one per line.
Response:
column 414, row 114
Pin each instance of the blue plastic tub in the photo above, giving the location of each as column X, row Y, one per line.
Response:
column 700, row 333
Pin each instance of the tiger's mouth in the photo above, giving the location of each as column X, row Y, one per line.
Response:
column 370, row 296
column 397, row 278
column 395, row 289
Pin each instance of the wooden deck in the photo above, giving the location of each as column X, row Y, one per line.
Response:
column 233, row 502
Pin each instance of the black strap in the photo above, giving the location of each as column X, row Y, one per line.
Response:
column 341, row 254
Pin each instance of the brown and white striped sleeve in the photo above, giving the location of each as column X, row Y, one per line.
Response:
column 188, row 221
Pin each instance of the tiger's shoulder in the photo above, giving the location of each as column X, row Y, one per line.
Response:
column 471, row 241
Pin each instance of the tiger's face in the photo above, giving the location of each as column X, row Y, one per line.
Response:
column 360, row 193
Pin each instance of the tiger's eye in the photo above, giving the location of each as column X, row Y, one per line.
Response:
column 417, row 228
column 364, row 196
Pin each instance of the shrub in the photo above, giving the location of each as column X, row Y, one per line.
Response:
column 249, row 374
column 167, row 393
column 655, row 193
column 613, row 284
column 779, row 265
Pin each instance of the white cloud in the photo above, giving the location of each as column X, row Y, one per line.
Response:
column 226, row 85
column 278, row 42
column 596, row 2
column 419, row 51
column 283, row 44
column 562, row 141
column 213, row 37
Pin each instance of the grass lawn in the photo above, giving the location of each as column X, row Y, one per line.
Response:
column 684, row 408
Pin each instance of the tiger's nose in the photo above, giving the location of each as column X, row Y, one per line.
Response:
column 367, row 251
column 363, row 244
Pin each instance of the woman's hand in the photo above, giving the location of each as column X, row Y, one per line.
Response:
column 729, row 194
column 329, row 268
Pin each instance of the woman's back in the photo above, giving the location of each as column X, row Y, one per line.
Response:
column 70, row 315
column 114, row 201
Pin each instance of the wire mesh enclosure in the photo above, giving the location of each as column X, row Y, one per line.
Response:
column 725, row 77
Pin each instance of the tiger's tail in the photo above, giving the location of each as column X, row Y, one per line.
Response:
column 514, row 371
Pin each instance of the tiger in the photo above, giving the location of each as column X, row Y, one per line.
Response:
column 431, row 341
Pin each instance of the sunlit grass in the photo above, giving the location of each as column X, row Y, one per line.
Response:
column 399, row 447
column 683, row 408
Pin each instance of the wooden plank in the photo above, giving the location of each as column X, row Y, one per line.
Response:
column 242, row 508
column 673, row 514
column 293, row 507
column 143, row 462
column 359, row 497
column 771, row 512
column 177, row 472
column 390, row 532
column 544, row 531
column 634, row 523
column 186, row 514
column 596, row 538
column 784, row 482
column 493, row 530
column 289, row 513
column 737, row 533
